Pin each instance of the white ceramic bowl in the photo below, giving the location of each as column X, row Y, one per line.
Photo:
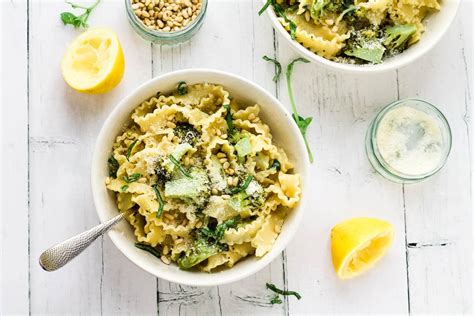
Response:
column 286, row 135
column 435, row 27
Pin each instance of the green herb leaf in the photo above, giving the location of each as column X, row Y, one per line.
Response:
column 113, row 166
column 276, row 165
column 243, row 187
column 276, row 77
column 129, row 149
column 276, row 299
column 124, row 188
column 160, row 201
column 179, row 166
column 217, row 233
column 265, row 6
column 282, row 292
column 80, row 20
column 149, row 249
column 281, row 12
column 301, row 122
column 182, row 88
column 132, row 178
column 229, row 120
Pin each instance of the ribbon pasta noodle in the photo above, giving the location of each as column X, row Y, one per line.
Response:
column 208, row 184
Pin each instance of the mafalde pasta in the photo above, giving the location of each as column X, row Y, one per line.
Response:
column 355, row 31
column 204, row 177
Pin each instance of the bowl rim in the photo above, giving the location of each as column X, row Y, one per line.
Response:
column 396, row 62
column 97, row 184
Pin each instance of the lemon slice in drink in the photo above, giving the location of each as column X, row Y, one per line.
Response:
column 358, row 243
column 94, row 62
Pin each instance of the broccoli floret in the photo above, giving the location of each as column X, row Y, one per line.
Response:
column 187, row 133
column 251, row 198
column 162, row 171
column 397, row 36
column 317, row 8
column 366, row 45
column 207, row 244
column 243, row 147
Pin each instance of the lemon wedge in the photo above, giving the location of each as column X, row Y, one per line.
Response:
column 358, row 243
column 94, row 62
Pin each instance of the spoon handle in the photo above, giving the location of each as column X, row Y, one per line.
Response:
column 60, row 254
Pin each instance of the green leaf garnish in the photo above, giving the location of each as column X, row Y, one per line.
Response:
column 129, row 149
column 132, row 178
column 265, row 6
column 217, row 233
column 182, row 88
column 273, row 288
column 276, row 165
column 280, row 12
column 124, row 188
column 179, row 166
column 78, row 20
column 277, row 66
column 243, row 187
column 160, row 201
column 276, row 299
column 149, row 249
column 301, row 122
column 113, row 166
column 228, row 119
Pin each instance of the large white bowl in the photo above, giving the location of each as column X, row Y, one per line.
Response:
column 286, row 135
column 435, row 27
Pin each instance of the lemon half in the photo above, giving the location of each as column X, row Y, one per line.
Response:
column 94, row 62
column 358, row 243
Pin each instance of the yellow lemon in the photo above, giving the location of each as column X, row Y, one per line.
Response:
column 358, row 243
column 94, row 62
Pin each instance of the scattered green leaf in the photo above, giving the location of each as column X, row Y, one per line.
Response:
column 124, row 188
column 180, row 167
column 182, row 88
column 132, row 178
column 160, row 201
column 277, row 64
column 273, row 288
column 129, row 149
column 78, row 20
column 301, row 122
column 244, row 185
column 276, row 165
column 113, row 166
column 279, row 11
column 229, row 120
column 276, row 300
column 149, row 249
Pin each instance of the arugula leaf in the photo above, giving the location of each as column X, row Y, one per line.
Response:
column 276, row 299
column 243, row 187
column 129, row 149
column 124, row 188
column 273, row 288
column 182, row 88
column 301, row 122
column 113, row 166
column 160, row 201
column 277, row 66
column 180, row 167
column 149, row 249
column 79, row 20
column 132, row 178
column 228, row 119
column 279, row 11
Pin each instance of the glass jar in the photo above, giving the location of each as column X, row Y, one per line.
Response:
column 166, row 38
column 409, row 140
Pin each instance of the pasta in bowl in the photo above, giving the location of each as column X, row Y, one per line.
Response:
column 362, row 35
column 212, row 173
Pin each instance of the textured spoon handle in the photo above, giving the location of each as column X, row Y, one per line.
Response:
column 60, row 254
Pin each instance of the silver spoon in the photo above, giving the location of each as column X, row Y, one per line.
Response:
column 60, row 254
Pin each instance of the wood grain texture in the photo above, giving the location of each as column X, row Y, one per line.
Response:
column 51, row 139
column 14, row 240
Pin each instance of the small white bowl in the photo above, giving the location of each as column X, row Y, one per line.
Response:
column 435, row 26
column 286, row 135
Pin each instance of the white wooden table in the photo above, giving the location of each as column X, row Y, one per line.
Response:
column 48, row 134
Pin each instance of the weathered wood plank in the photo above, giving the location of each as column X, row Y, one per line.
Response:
column 14, row 248
column 439, row 210
column 344, row 186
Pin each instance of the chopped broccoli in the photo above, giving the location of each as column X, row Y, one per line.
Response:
column 243, row 147
column 251, row 198
column 317, row 8
column 398, row 35
column 206, row 245
column 195, row 189
column 365, row 45
column 187, row 133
